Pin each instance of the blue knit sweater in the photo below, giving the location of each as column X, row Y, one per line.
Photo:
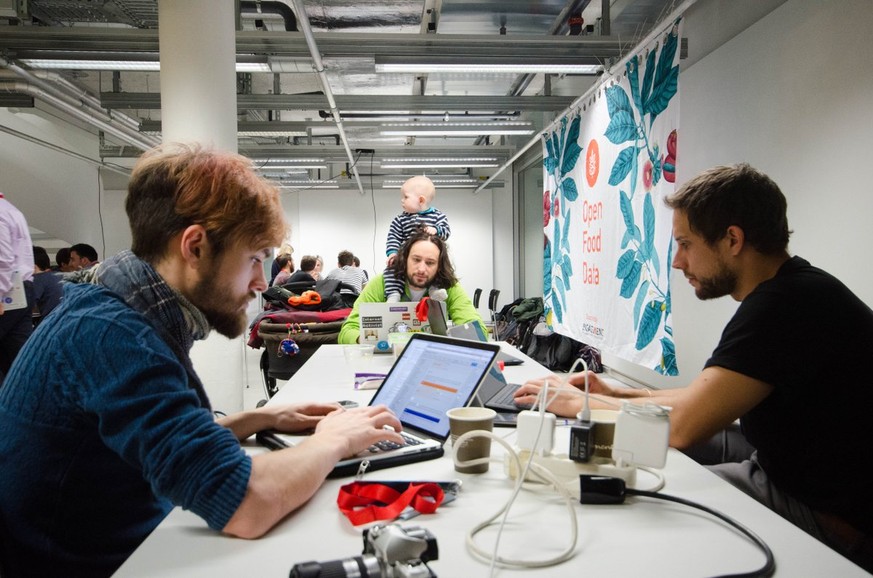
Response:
column 102, row 432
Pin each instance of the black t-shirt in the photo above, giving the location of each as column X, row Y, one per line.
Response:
column 807, row 335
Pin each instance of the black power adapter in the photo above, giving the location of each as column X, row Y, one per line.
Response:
column 601, row 490
column 582, row 441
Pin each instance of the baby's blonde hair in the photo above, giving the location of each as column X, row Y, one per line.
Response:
column 420, row 185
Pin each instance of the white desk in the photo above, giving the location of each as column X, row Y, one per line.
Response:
column 638, row 538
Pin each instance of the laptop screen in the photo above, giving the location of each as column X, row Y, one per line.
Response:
column 433, row 375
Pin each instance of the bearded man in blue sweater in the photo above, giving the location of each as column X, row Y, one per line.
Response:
column 105, row 426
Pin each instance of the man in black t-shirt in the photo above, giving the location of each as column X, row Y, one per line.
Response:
column 791, row 365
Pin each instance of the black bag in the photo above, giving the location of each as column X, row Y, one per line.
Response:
column 559, row 352
column 327, row 289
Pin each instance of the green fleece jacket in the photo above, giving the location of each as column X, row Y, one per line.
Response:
column 458, row 306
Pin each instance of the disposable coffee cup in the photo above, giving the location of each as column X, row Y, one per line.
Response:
column 604, row 432
column 466, row 419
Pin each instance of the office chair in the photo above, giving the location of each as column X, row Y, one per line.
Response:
column 492, row 309
column 476, row 295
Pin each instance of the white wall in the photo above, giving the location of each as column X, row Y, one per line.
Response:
column 790, row 95
column 58, row 193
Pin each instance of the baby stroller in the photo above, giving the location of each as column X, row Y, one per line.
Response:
column 290, row 334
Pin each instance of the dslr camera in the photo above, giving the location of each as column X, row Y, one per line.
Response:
column 390, row 551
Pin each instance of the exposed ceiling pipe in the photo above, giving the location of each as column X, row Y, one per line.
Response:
column 255, row 8
column 613, row 71
column 558, row 26
column 62, row 150
column 303, row 24
column 77, row 112
column 84, row 107
column 87, row 98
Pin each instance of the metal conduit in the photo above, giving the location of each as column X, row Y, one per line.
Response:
column 656, row 31
column 62, row 150
column 36, row 92
column 85, row 108
column 303, row 24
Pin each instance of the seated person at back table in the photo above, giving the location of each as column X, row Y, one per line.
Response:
column 305, row 274
column 791, row 364
column 423, row 262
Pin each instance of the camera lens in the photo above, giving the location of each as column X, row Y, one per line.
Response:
column 366, row 566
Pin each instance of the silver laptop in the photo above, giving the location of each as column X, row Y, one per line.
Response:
column 380, row 319
column 432, row 375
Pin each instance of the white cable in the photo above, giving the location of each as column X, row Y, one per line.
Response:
column 659, row 476
column 544, row 475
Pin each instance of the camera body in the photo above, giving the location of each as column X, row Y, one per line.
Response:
column 390, row 551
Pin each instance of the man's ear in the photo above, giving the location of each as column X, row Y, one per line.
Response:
column 736, row 239
column 194, row 245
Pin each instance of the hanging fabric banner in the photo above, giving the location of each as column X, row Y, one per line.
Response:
column 608, row 235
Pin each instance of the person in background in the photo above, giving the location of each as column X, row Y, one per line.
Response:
column 423, row 261
column 104, row 424
column 62, row 258
column 357, row 263
column 47, row 290
column 16, row 285
column 319, row 268
column 82, row 256
column 305, row 273
column 286, row 266
column 416, row 198
column 791, row 364
column 347, row 273
column 285, row 249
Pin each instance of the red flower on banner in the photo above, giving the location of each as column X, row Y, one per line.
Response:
column 547, row 207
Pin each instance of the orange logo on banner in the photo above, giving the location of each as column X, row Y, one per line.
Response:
column 592, row 163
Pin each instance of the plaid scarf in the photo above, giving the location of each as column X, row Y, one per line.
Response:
column 176, row 319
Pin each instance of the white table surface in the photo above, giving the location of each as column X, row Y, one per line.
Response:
column 641, row 537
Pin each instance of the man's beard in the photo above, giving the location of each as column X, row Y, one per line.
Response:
column 222, row 310
column 724, row 282
column 410, row 280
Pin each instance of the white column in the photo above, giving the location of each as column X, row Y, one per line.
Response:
column 198, row 104
column 198, row 72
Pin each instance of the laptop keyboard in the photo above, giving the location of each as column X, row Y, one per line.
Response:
column 505, row 396
column 387, row 445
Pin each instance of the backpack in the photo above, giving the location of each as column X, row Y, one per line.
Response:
column 328, row 289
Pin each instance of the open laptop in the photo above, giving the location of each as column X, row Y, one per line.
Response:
column 380, row 319
column 497, row 394
column 436, row 318
column 432, row 375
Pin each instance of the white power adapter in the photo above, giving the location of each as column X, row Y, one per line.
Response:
column 535, row 429
column 642, row 434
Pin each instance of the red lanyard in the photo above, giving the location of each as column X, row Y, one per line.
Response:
column 363, row 502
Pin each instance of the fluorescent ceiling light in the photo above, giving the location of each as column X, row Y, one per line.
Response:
column 309, row 184
column 280, row 164
column 456, row 128
column 135, row 65
column 440, row 183
column 484, row 64
column 421, row 163
column 290, row 167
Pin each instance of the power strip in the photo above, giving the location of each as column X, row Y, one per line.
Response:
column 568, row 471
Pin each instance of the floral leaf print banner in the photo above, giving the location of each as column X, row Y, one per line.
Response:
column 608, row 235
